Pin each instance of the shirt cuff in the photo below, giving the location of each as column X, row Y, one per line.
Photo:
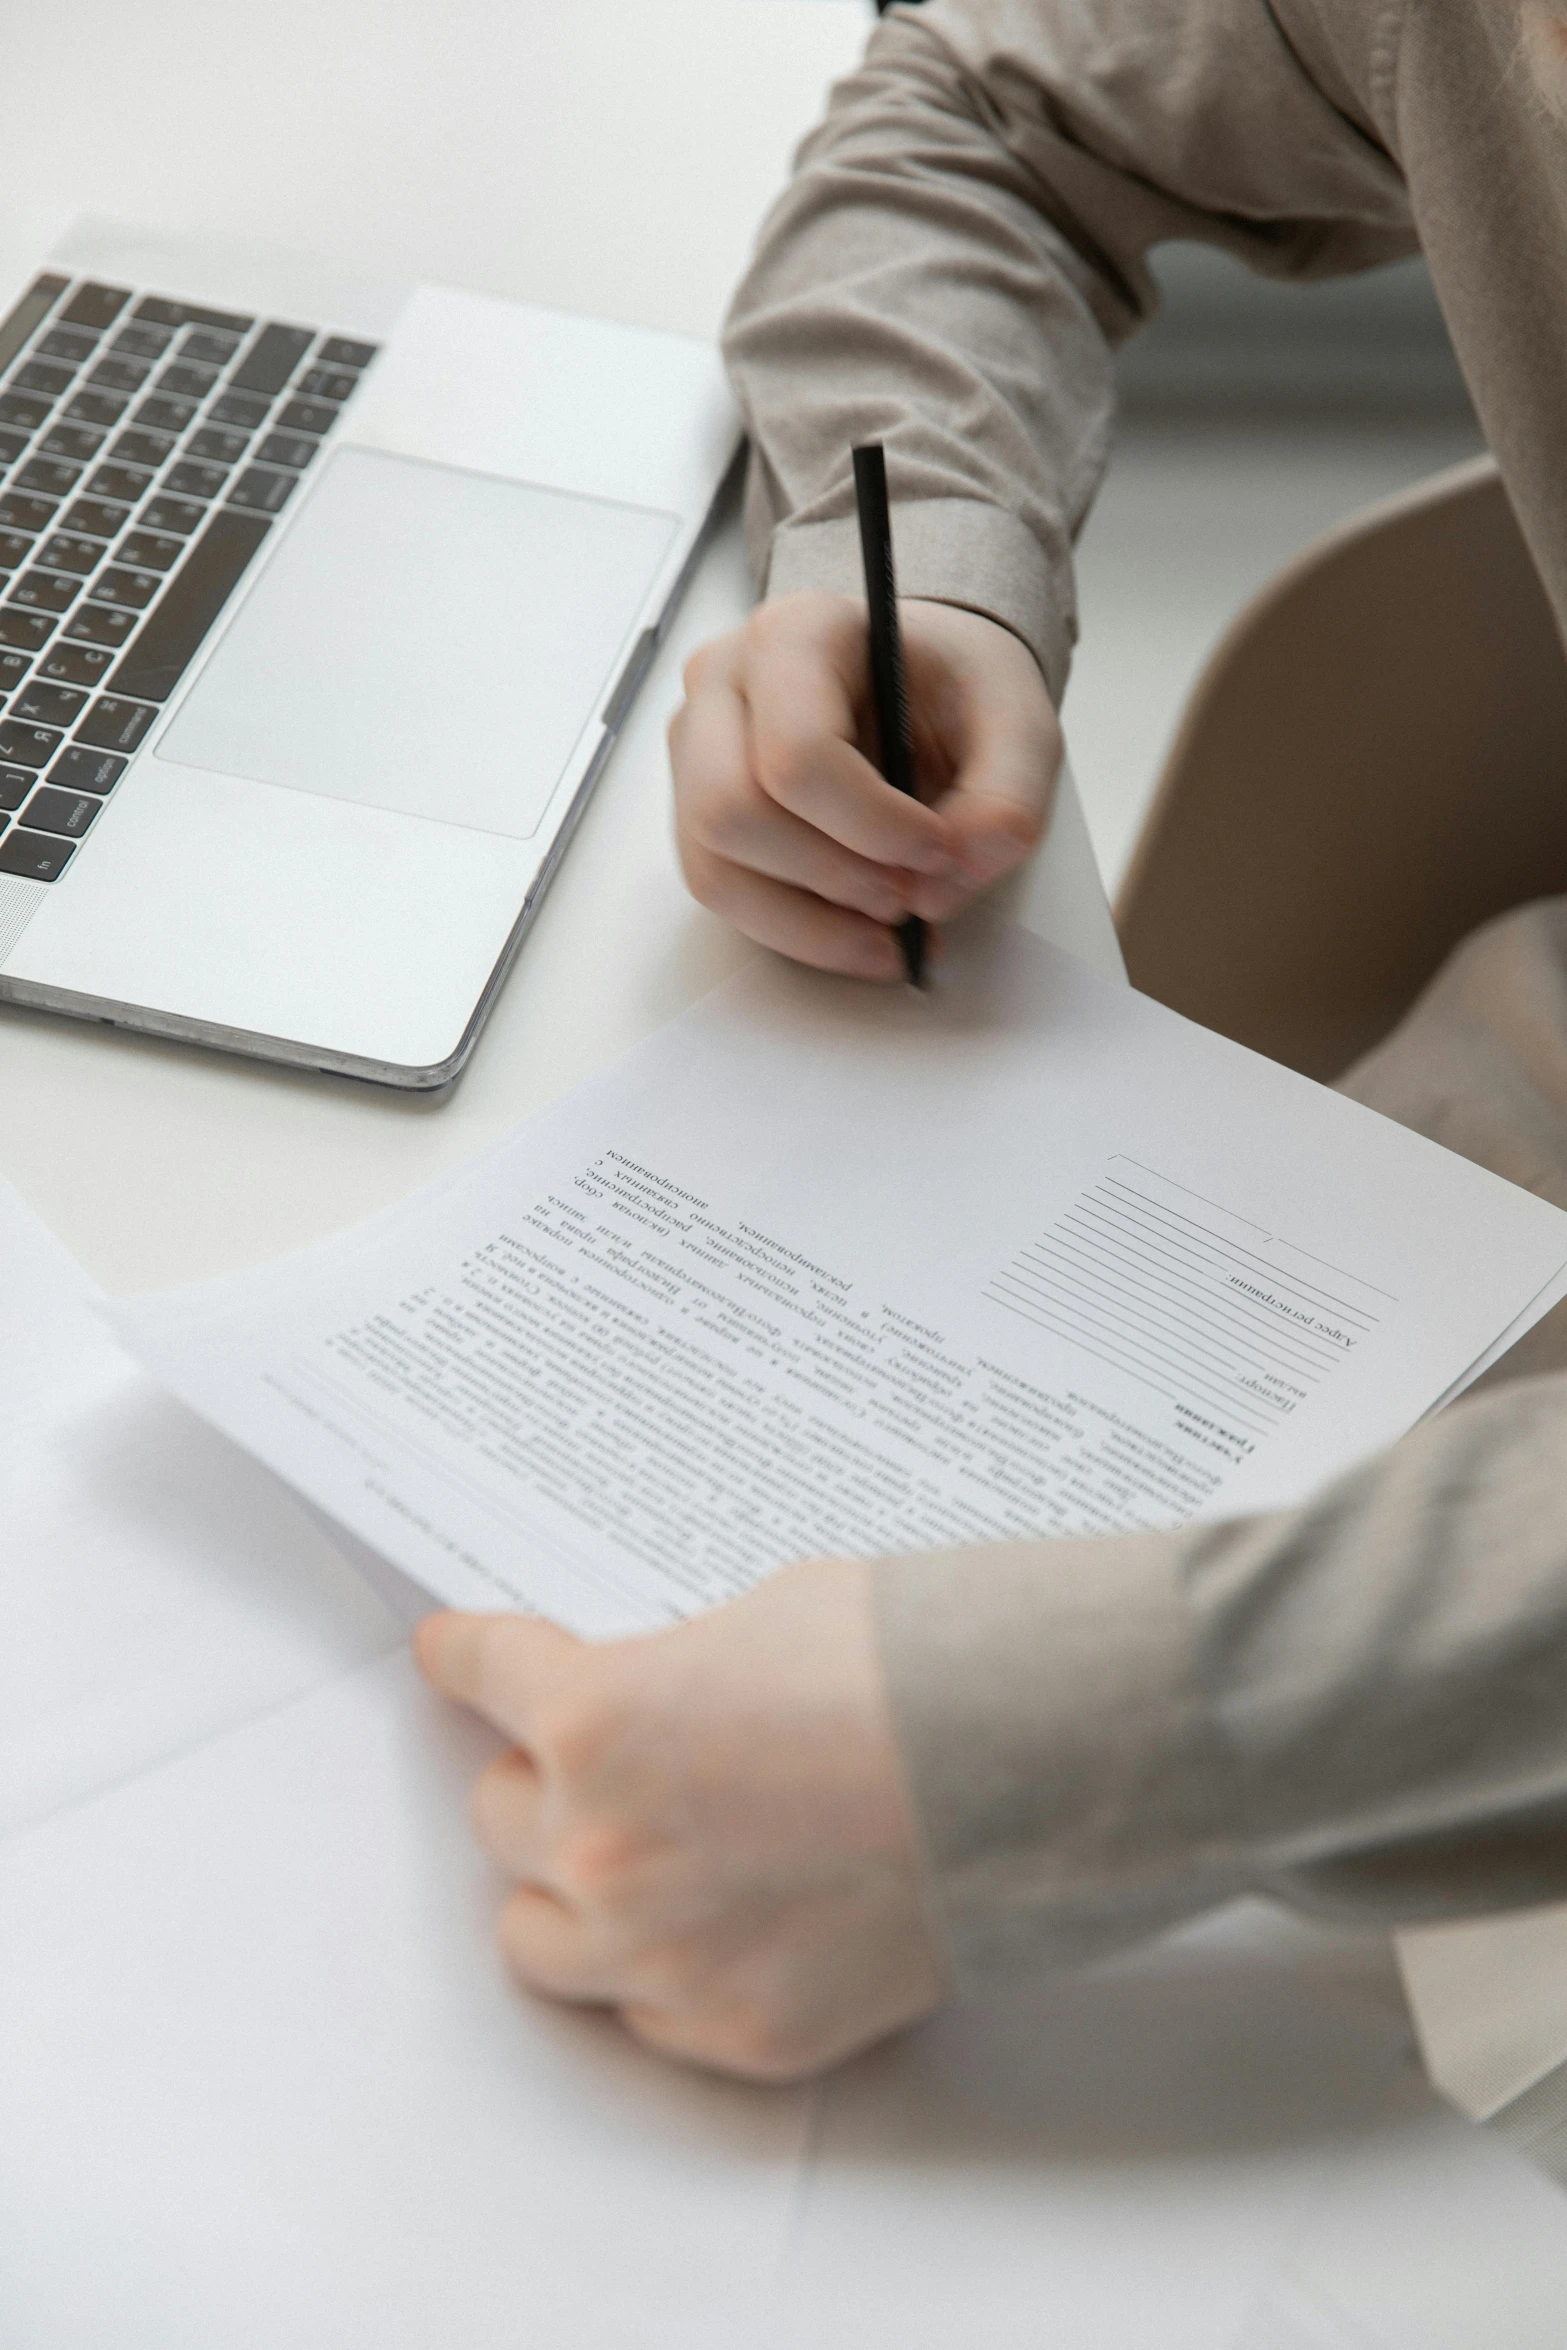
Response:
column 951, row 551
column 1071, row 1787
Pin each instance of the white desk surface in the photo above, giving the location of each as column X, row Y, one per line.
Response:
column 612, row 158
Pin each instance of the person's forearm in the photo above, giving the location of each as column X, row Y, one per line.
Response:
column 963, row 245
column 909, row 289
column 1359, row 1706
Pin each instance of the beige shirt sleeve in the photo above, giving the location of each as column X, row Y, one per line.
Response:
column 965, row 242
column 1359, row 1706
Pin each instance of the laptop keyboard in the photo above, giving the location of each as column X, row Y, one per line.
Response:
column 146, row 447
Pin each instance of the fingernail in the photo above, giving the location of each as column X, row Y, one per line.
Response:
column 932, row 899
column 990, row 862
column 882, row 960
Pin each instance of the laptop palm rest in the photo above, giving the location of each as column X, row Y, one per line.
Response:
column 425, row 640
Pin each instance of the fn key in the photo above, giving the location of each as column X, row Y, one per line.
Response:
column 35, row 855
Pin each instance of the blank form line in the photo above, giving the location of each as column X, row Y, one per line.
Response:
column 1119, row 1362
column 1165, row 1299
column 1193, row 1239
column 1219, row 1388
column 1195, row 1382
column 1174, row 1215
column 1235, row 1281
column 1220, row 1309
column 1087, row 1283
column 1204, row 1337
column 1126, row 1156
column 1359, row 1278
column 1200, row 1283
column 1157, row 1343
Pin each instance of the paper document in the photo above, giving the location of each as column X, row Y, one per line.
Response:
column 156, row 1587
column 824, row 1268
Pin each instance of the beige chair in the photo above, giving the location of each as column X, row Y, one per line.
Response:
column 1373, row 762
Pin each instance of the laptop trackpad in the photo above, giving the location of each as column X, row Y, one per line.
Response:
column 426, row 640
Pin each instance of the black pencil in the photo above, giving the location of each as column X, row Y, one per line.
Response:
column 892, row 701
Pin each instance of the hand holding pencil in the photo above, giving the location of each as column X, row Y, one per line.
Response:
column 786, row 825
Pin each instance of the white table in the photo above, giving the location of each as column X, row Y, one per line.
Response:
column 612, row 158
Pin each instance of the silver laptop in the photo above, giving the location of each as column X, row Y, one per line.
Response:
column 321, row 603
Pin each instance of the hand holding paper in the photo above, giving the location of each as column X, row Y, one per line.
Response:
column 709, row 1827
column 679, row 1331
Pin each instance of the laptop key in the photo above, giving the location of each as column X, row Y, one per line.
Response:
column 189, row 383
column 97, row 518
column 196, row 594
column 11, row 445
column 247, row 409
column 49, row 705
column 15, row 547
column 15, row 784
column 288, row 448
column 328, row 383
column 65, row 812
column 103, row 408
column 120, row 482
column 72, row 440
column 46, row 591
column 95, row 306
column 142, row 342
column 133, row 591
column 38, row 856
column 28, row 630
column 163, row 414
column 341, row 353
column 227, row 322
column 23, row 409
column 25, row 316
column 28, row 746
column 224, row 448
column 76, row 664
column 100, row 624
column 115, row 725
column 196, row 481
column 271, row 359
column 137, row 447
column 19, row 513
column 147, row 552
column 308, row 416
column 13, row 668
column 66, row 342
column 52, row 475
column 81, row 770
column 120, row 375
column 181, row 514
column 48, row 376
column 208, row 347
column 66, row 553
column 266, row 492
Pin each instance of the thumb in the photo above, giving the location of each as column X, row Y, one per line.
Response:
column 1001, row 796
column 503, row 1667
column 983, row 696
